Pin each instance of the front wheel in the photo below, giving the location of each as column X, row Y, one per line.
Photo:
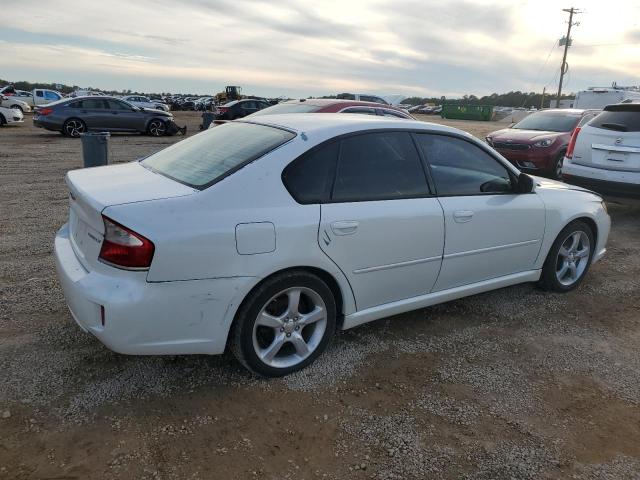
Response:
column 284, row 325
column 569, row 258
column 157, row 128
column 556, row 169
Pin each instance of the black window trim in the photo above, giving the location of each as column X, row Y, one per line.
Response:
column 513, row 177
column 328, row 198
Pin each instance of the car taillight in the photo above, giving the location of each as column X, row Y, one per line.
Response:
column 223, row 109
column 44, row 111
column 125, row 248
column 572, row 142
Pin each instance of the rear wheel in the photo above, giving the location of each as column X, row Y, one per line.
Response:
column 157, row 128
column 74, row 127
column 284, row 325
column 569, row 258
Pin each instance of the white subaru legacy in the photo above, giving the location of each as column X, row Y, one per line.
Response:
column 267, row 235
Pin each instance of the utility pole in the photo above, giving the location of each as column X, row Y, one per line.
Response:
column 544, row 90
column 563, row 67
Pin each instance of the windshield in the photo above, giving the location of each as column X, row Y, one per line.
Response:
column 288, row 108
column 548, row 122
column 203, row 159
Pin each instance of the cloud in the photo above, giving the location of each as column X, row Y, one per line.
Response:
column 297, row 47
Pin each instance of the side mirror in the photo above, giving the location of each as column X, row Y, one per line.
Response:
column 525, row 183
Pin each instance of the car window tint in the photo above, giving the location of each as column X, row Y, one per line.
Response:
column 378, row 166
column 93, row 103
column 202, row 159
column 459, row 167
column 39, row 93
column 361, row 110
column 620, row 118
column 117, row 105
column 248, row 105
column 309, row 178
column 371, row 98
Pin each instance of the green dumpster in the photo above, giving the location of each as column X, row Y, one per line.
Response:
column 467, row 112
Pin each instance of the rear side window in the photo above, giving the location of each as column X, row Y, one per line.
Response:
column 379, row 166
column 203, row 159
column 92, row 103
column 393, row 113
column 462, row 168
column 310, row 177
column 620, row 118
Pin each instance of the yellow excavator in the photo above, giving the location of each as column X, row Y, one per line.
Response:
column 231, row 92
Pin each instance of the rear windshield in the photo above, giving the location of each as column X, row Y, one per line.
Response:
column 621, row 118
column 548, row 122
column 203, row 159
column 288, row 108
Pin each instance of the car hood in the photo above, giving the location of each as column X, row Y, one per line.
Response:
column 520, row 136
column 154, row 111
column 548, row 184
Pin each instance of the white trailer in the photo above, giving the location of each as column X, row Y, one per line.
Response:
column 600, row 97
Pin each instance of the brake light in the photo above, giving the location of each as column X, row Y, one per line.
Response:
column 223, row 109
column 44, row 111
column 572, row 143
column 124, row 248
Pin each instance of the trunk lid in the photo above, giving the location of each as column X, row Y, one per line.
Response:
column 91, row 190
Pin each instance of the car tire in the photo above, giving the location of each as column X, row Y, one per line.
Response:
column 284, row 324
column 3, row 121
column 73, row 127
column 569, row 258
column 157, row 128
column 556, row 170
column 16, row 107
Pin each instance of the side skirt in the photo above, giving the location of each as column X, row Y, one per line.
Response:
column 415, row 303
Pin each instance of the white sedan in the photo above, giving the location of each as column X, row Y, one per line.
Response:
column 10, row 115
column 265, row 236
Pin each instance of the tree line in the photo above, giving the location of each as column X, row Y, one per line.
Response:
column 509, row 99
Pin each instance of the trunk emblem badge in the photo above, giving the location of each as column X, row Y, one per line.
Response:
column 618, row 141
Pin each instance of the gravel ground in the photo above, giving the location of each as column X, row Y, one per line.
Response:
column 513, row 384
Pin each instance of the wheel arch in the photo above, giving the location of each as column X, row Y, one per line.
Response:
column 323, row 274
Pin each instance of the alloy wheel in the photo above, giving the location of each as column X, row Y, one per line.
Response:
column 573, row 258
column 74, row 128
column 289, row 327
column 157, row 128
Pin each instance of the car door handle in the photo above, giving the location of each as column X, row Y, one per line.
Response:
column 344, row 227
column 462, row 216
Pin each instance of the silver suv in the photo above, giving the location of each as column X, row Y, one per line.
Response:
column 604, row 155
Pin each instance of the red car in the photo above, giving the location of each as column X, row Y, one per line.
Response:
column 538, row 143
column 334, row 105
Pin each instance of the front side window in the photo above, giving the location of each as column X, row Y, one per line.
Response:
column 118, row 105
column 461, row 168
column 379, row 166
column 201, row 160
column 39, row 93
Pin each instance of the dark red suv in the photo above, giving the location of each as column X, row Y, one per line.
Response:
column 538, row 143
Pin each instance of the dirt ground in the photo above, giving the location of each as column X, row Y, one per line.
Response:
column 513, row 384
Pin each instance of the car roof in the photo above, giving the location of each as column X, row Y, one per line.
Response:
column 570, row 111
column 340, row 123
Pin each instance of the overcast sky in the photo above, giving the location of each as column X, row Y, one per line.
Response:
column 300, row 48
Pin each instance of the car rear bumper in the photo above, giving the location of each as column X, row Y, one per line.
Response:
column 147, row 318
column 605, row 182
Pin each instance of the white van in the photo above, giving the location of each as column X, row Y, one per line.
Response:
column 595, row 97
